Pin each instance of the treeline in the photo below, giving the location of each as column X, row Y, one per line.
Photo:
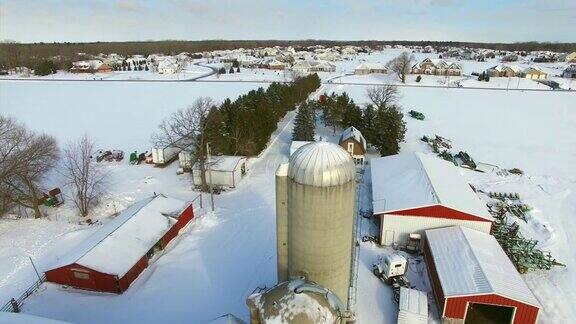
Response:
column 16, row 54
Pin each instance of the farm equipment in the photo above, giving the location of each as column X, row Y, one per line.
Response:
column 52, row 198
column 414, row 243
column 391, row 270
column 416, row 114
column 109, row 156
column 465, row 160
column 521, row 251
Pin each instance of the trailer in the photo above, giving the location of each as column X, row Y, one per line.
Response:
column 167, row 154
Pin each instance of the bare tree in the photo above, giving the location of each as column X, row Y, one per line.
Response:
column 86, row 178
column 186, row 128
column 401, row 65
column 383, row 96
column 25, row 159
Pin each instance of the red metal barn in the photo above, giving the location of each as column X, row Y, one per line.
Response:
column 414, row 192
column 474, row 280
column 115, row 255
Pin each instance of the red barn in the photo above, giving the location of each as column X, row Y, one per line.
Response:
column 114, row 256
column 473, row 279
column 413, row 192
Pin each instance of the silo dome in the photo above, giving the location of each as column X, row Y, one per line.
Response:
column 296, row 301
column 321, row 164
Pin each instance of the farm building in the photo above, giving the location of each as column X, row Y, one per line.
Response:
column 369, row 68
column 474, row 281
column 226, row 171
column 413, row 192
column 535, row 73
column 354, row 143
column 114, row 256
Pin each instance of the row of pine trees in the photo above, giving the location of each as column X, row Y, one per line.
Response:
column 244, row 126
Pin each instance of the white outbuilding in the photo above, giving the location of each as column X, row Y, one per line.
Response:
column 225, row 171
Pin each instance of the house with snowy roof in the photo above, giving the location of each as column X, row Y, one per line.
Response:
column 504, row 70
column 569, row 72
column 90, row 66
column 168, row 65
column 413, row 192
column 113, row 257
column 535, row 73
column 437, row 67
column 370, row 68
column 354, row 143
column 474, row 281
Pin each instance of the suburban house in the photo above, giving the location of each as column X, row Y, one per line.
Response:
column 437, row 67
column 309, row 66
column 369, row 68
column 570, row 58
column 90, row 66
column 354, row 143
column 225, row 171
column 274, row 64
column 113, row 257
column 504, row 70
column 569, row 72
column 168, row 65
column 474, row 281
column 535, row 73
column 413, row 192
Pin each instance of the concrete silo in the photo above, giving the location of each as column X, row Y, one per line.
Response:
column 315, row 195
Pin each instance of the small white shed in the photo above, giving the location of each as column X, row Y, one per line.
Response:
column 413, row 307
column 226, row 171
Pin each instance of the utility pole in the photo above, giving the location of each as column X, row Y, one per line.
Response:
column 35, row 270
column 210, row 175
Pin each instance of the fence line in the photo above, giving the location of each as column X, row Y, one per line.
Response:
column 14, row 305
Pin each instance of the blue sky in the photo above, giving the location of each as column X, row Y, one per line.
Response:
column 120, row 20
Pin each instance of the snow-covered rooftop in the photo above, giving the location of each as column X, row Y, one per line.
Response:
column 121, row 242
column 413, row 307
column 224, row 163
column 412, row 180
column 352, row 132
column 470, row 262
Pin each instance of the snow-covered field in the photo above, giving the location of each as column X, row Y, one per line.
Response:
column 225, row 255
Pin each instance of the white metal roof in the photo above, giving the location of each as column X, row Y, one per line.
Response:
column 412, row 307
column 470, row 262
column 224, row 163
column 412, row 180
column 119, row 244
column 321, row 164
column 352, row 132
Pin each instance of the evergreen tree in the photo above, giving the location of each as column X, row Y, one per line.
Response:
column 146, row 67
column 418, row 78
column 45, row 67
column 389, row 130
column 231, row 70
column 304, row 124
column 238, row 69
